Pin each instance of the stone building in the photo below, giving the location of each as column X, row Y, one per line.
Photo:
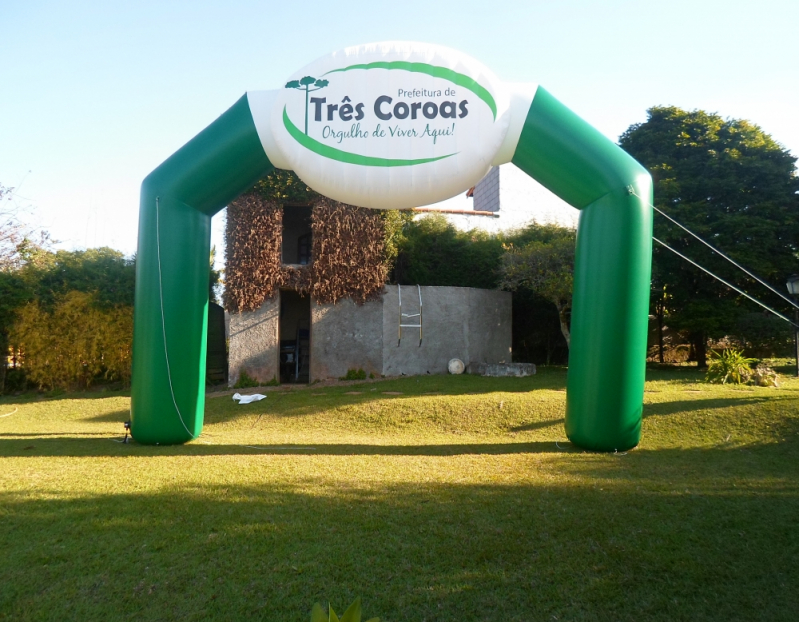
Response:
column 307, row 300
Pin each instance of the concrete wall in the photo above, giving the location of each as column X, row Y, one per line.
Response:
column 473, row 325
column 458, row 322
column 490, row 327
column 346, row 336
column 254, row 342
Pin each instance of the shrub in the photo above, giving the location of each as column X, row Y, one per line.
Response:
column 353, row 374
column 431, row 251
column 729, row 366
column 15, row 381
column 352, row 614
column 764, row 333
column 75, row 342
column 246, row 381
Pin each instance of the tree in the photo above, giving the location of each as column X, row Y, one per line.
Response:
column 433, row 252
column 285, row 187
column 103, row 271
column 734, row 186
column 45, row 279
column 10, row 228
column 70, row 313
column 546, row 267
column 14, row 293
column 16, row 250
column 214, row 278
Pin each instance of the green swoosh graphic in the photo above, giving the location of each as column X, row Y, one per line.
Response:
column 437, row 72
column 345, row 156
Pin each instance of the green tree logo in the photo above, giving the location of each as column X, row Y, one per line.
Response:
column 305, row 84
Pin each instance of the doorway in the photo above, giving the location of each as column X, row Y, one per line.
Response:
column 295, row 337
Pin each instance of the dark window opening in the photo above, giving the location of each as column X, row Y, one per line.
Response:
column 304, row 249
column 297, row 238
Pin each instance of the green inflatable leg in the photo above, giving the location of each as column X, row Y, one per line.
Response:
column 171, row 306
column 610, row 308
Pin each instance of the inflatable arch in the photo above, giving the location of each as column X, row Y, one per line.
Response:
column 397, row 125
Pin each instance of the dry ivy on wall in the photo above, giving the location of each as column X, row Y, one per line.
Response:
column 252, row 252
column 348, row 257
column 348, row 254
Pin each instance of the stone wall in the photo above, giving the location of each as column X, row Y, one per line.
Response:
column 346, row 336
column 253, row 344
column 458, row 322
column 473, row 325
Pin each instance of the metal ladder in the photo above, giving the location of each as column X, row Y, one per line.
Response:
column 409, row 315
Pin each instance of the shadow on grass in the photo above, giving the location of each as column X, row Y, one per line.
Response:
column 31, row 445
column 415, row 551
column 34, row 435
column 119, row 416
column 537, row 425
column 689, row 406
column 36, row 398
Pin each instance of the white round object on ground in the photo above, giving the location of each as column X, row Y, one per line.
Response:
column 456, row 366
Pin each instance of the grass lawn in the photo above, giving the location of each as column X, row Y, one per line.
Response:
column 433, row 498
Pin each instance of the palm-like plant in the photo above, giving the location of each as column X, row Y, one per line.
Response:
column 729, row 366
column 352, row 614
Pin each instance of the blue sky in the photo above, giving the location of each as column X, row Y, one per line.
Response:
column 94, row 95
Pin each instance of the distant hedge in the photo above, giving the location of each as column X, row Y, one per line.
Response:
column 433, row 252
column 74, row 342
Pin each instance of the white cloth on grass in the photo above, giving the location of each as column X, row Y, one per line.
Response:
column 248, row 399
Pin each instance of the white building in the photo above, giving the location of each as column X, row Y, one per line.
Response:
column 505, row 199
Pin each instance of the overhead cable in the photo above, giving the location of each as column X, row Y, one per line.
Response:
column 717, row 251
column 718, row 278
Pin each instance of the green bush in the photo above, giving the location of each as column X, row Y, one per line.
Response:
column 353, row 374
column 74, row 343
column 15, row 381
column 729, row 366
column 246, row 381
column 433, row 252
column 352, row 614
column 765, row 334
column 102, row 272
